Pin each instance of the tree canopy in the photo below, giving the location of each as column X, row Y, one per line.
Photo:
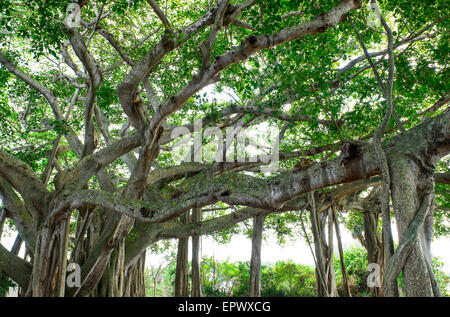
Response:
column 355, row 93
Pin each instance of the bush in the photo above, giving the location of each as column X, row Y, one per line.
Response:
column 355, row 261
column 442, row 278
column 277, row 280
column 5, row 285
column 288, row 279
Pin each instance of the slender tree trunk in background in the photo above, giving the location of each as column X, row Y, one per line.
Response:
column 255, row 262
column 412, row 185
column 332, row 289
column 196, row 264
column 341, row 255
column 2, row 223
column 181, row 275
column 325, row 275
column 374, row 245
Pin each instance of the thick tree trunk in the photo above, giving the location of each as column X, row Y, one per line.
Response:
column 112, row 283
column 196, row 277
column 135, row 279
column 181, row 275
column 255, row 262
column 50, row 261
column 412, row 180
column 2, row 222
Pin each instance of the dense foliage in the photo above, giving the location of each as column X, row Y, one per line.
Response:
column 90, row 157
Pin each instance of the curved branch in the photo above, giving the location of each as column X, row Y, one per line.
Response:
column 22, row 178
column 126, row 91
column 398, row 260
column 45, row 92
column 249, row 47
column 86, row 58
column 159, row 13
column 18, row 212
column 180, row 230
column 147, row 233
column 277, row 114
column 91, row 164
column 15, row 267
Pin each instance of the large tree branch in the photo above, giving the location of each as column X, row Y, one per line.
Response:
column 159, row 13
column 17, row 211
column 76, row 177
column 445, row 99
column 45, row 92
column 86, row 58
column 250, row 46
column 180, row 230
column 206, row 188
column 15, row 267
column 95, row 80
column 397, row 261
column 432, row 137
column 127, row 90
column 254, row 44
column 150, row 233
column 22, row 178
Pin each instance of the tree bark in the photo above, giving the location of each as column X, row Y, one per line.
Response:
column 325, row 275
column 50, row 259
column 255, row 262
column 135, row 279
column 374, row 247
column 196, row 260
column 181, row 275
column 412, row 180
column 341, row 254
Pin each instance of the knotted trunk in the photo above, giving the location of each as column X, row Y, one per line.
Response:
column 50, row 261
column 113, row 279
column 135, row 279
column 413, row 200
